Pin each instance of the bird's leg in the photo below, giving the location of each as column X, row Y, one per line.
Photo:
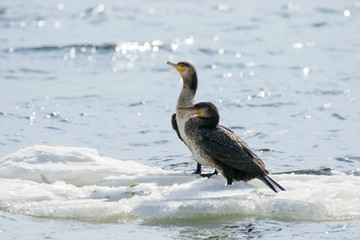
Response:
column 198, row 169
column 209, row 175
column 229, row 180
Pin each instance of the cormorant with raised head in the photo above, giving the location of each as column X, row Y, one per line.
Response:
column 186, row 99
column 218, row 147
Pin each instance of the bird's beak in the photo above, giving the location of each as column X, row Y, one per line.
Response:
column 176, row 66
column 194, row 109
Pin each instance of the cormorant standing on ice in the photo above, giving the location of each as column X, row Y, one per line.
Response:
column 218, row 147
column 186, row 99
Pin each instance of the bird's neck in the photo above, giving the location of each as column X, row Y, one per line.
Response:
column 186, row 98
column 188, row 91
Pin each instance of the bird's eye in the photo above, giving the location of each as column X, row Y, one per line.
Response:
column 181, row 65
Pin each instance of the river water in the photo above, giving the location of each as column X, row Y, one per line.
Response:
column 87, row 149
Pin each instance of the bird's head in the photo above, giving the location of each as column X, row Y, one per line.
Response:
column 187, row 72
column 205, row 110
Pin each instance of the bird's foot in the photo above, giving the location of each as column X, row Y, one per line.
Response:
column 209, row 175
column 229, row 181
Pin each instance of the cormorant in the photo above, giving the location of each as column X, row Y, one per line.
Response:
column 218, row 147
column 186, row 99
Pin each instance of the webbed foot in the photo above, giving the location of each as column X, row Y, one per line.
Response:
column 209, row 175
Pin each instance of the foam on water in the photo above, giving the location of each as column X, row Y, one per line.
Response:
column 77, row 183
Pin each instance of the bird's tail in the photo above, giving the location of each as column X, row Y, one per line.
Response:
column 271, row 183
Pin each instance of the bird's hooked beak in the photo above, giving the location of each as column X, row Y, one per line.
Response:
column 176, row 66
column 193, row 109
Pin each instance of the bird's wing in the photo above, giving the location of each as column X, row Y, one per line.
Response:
column 225, row 146
column 175, row 126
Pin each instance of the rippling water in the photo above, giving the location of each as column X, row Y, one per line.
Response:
column 284, row 75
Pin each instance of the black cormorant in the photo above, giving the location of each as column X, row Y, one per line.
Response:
column 218, row 147
column 186, row 99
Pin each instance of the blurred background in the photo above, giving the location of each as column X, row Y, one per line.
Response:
column 285, row 76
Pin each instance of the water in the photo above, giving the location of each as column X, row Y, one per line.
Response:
column 90, row 79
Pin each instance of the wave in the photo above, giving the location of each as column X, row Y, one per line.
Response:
column 120, row 47
column 77, row 183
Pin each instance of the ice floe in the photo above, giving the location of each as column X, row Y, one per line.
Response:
column 77, row 183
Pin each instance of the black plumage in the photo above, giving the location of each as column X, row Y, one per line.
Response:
column 175, row 126
column 223, row 149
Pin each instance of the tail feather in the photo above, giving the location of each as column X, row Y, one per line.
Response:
column 277, row 184
column 272, row 184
